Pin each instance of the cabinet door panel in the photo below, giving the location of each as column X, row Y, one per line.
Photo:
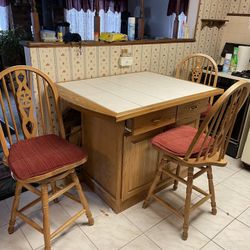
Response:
column 139, row 166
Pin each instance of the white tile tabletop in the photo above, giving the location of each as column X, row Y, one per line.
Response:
column 125, row 93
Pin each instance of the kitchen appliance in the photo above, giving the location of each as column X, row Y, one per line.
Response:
column 48, row 36
column 63, row 28
column 243, row 74
column 245, row 155
column 243, row 58
column 242, row 124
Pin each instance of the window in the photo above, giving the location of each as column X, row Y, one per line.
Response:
column 155, row 19
column 166, row 18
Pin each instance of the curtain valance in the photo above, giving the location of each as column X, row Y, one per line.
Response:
column 113, row 5
column 4, row 3
column 177, row 6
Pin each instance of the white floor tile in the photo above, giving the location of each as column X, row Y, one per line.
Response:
column 245, row 217
column 13, row 241
column 233, row 164
column 211, row 246
column 97, row 206
column 167, row 235
column 221, row 173
column 148, row 217
column 4, row 213
column 141, row 243
column 240, row 183
column 208, row 224
column 230, row 201
column 111, row 231
column 235, row 236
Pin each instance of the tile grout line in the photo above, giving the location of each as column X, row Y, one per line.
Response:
column 153, row 242
column 131, row 241
column 235, row 218
column 26, row 238
column 214, row 243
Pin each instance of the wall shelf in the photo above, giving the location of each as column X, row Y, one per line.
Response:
column 238, row 14
column 213, row 23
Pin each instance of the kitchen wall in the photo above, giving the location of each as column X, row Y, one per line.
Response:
column 72, row 63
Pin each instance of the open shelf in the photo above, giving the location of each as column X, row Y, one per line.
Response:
column 213, row 23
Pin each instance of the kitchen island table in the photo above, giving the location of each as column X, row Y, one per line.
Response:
column 120, row 114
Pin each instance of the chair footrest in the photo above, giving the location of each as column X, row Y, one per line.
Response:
column 167, row 205
column 67, row 223
column 200, row 202
column 29, row 221
column 61, row 191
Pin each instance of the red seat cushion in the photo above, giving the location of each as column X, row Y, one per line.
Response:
column 204, row 114
column 41, row 155
column 177, row 140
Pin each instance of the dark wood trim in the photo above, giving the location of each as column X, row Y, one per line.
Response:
column 31, row 44
column 237, row 14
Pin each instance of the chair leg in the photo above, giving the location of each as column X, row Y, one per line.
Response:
column 46, row 222
column 15, row 207
column 187, row 203
column 211, row 190
column 178, row 168
column 154, row 183
column 53, row 187
column 82, row 198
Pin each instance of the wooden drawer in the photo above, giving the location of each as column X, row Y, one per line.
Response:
column 191, row 109
column 148, row 122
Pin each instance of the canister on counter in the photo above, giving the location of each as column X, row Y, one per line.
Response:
column 227, row 62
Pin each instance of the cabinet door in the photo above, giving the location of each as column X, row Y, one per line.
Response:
column 139, row 166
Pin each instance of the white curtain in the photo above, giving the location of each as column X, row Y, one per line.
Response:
column 81, row 22
column 181, row 26
column 110, row 21
column 4, row 18
column 170, row 25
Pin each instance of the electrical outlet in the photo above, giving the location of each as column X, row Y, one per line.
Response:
column 126, row 61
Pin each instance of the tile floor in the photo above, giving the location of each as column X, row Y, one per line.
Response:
column 151, row 228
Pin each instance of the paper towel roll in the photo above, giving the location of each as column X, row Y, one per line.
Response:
column 243, row 58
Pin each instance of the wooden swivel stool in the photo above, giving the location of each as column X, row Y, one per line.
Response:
column 201, row 148
column 37, row 152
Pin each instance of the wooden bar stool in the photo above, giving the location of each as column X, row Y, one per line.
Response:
column 201, row 148
column 26, row 93
column 199, row 68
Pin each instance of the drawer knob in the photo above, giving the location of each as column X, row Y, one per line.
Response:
column 193, row 107
column 155, row 121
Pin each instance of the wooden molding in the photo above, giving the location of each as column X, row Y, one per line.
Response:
column 31, row 44
column 213, row 23
column 238, row 14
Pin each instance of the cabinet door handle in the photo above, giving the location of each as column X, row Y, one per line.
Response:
column 156, row 120
column 193, row 107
